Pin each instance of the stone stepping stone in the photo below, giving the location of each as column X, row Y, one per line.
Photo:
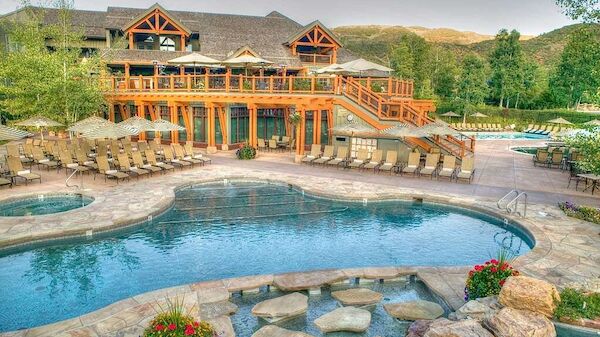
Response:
column 275, row 331
column 216, row 309
column 357, row 297
column 280, row 308
column 414, row 310
column 350, row 319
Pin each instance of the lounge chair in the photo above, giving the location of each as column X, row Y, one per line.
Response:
column 40, row 159
column 136, row 156
column 16, row 170
column 543, row 130
column 376, row 160
column 413, row 165
column 448, row 168
column 327, row 155
column 431, row 165
column 83, row 160
column 534, row 129
column 528, row 128
column 340, row 158
column 142, row 146
column 315, row 152
column 390, row 162
column 5, row 182
column 362, row 157
column 188, row 148
column 169, row 158
column 127, row 168
column 498, row 127
column 262, row 146
column 556, row 159
column 151, row 159
column 66, row 161
column 13, row 151
column 467, row 169
column 180, row 154
column 273, row 145
column 540, row 157
column 107, row 172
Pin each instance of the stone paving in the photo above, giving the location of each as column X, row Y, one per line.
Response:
column 566, row 250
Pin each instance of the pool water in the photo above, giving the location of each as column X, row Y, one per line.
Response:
column 526, row 149
column 217, row 231
column 505, row 135
column 382, row 324
column 43, row 204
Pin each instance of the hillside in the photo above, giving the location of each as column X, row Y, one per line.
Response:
column 374, row 42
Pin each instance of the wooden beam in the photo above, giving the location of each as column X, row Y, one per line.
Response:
column 223, row 124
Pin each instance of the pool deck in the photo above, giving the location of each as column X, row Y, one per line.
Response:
column 567, row 250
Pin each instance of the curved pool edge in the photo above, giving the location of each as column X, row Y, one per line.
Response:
column 134, row 312
column 21, row 197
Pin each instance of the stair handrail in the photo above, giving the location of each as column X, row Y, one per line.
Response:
column 515, row 203
column 75, row 170
column 506, row 196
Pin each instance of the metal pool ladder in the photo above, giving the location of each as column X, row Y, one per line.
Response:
column 79, row 187
column 510, row 202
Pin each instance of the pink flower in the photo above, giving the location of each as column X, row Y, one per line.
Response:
column 494, row 261
column 189, row 330
column 159, row 327
column 172, row 326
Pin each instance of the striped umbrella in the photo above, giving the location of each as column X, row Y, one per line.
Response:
column 39, row 122
column 403, row 130
column 8, row 133
column 137, row 123
column 108, row 130
column 162, row 125
column 87, row 124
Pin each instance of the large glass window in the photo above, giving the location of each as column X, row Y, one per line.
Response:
column 167, row 44
column 199, row 113
column 270, row 122
column 164, row 114
column 309, row 127
column 324, row 128
column 118, row 117
column 239, row 124
column 182, row 133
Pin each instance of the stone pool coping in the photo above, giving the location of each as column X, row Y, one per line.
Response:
column 26, row 196
column 566, row 249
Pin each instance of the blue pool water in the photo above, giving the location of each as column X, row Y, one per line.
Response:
column 218, row 231
column 504, row 135
column 43, row 204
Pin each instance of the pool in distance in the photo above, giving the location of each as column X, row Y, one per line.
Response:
column 216, row 231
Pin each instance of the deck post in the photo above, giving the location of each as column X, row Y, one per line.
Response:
column 317, row 126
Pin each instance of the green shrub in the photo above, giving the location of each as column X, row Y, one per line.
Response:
column 246, row 152
column 302, row 84
column 575, row 304
column 174, row 322
column 487, row 279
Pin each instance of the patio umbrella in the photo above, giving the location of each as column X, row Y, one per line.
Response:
column 450, row 114
column 593, row 122
column 438, row 128
column 87, row 124
column 479, row 115
column 402, row 131
column 39, row 122
column 361, row 65
column 559, row 121
column 334, row 69
column 194, row 59
column 351, row 128
column 8, row 133
column 109, row 130
column 247, row 61
column 138, row 124
column 162, row 125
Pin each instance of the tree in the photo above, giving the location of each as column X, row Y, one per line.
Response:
column 472, row 84
column 57, row 82
column 576, row 74
column 506, row 62
column 589, row 146
column 409, row 58
column 587, row 10
column 402, row 61
column 443, row 72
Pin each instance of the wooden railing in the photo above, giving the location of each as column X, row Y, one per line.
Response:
column 389, row 86
column 315, row 58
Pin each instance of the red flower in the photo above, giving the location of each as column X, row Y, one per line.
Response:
column 471, row 273
column 503, row 267
column 487, row 262
column 494, row 269
column 478, row 268
column 189, row 330
column 494, row 261
column 172, row 326
column 196, row 324
column 159, row 327
column 502, row 282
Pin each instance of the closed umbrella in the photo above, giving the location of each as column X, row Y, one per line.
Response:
column 87, row 124
column 8, row 133
column 559, row 120
column 39, row 122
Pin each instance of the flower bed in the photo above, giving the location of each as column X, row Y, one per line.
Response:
column 487, row 279
column 586, row 213
column 174, row 322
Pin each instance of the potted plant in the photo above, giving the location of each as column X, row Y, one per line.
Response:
column 175, row 322
column 487, row 279
column 246, row 152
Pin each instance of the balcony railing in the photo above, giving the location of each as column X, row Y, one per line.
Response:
column 315, row 58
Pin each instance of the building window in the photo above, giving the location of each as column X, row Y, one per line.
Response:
column 363, row 143
column 239, row 124
column 199, row 120
column 270, row 122
column 167, row 44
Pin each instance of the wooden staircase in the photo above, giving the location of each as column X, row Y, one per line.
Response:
column 377, row 109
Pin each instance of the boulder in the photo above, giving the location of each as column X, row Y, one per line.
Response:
column 418, row 328
column 465, row 328
column 510, row 322
column 344, row 319
column 216, row 309
column 222, row 326
column 414, row 310
column 282, row 307
column 472, row 309
column 526, row 293
column 275, row 331
column 357, row 296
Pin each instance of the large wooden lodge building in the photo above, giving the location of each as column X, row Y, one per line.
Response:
column 223, row 107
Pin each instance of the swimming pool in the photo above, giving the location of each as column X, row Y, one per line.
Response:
column 505, row 135
column 216, row 231
column 43, row 204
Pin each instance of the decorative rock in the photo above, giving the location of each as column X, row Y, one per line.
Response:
column 211, row 295
column 418, row 328
column 307, row 280
column 344, row 319
column 510, row 322
column 465, row 328
column 357, row 296
column 222, row 325
column 280, row 308
column 212, row 310
column 526, row 293
column 472, row 309
column 275, row 331
column 490, row 301
column 414, row 310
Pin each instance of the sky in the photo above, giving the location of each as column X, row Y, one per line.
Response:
column 530, row 17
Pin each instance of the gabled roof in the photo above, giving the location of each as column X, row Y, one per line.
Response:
column 306, row 29
column 242, row 50
column 164, row 12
